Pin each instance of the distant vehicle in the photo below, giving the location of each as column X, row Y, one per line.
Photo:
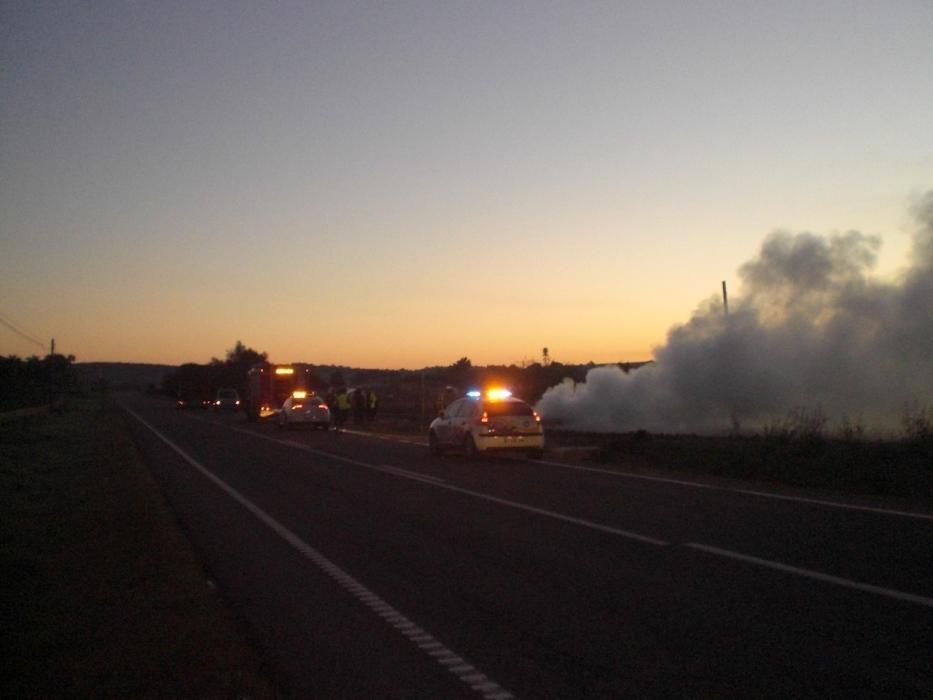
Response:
column 270, row 385
column 227, row 400
column 479, row 422
column 304, row 408
column 186, row 401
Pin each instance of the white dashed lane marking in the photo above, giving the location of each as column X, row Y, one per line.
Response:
column 758, row 561
column 691, row 484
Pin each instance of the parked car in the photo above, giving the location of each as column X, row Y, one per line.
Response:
column 227, row 400
column 479, row 422
column 304, row 408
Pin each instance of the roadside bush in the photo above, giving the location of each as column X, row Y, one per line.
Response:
column 797, row 450
column 801, row 424
column 918, row 423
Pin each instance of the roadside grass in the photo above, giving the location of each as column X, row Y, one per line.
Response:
column 102, row 595
column 798, row 450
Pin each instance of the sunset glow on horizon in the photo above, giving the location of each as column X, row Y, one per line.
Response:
column 400, row 185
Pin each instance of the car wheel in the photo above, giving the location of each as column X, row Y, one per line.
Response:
column 433, row 447
column 469, row 447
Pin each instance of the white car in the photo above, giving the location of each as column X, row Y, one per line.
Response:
column 304, row 408
column 494, row 421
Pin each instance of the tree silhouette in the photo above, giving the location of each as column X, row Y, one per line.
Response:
column 461, row 373
column 242, row 356
column 35, row 381
column 240, row 359
column 203, row 381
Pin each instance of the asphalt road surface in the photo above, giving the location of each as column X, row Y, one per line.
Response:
column 365, row 568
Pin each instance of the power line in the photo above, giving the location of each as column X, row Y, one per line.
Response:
column 21, row 334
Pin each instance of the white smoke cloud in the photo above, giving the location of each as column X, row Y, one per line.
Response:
column 812, row 330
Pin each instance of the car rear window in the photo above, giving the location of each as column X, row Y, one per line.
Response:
column 507, row 408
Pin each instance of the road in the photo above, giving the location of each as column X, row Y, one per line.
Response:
column 364, row 567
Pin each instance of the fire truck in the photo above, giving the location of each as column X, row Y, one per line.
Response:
column 268, row 386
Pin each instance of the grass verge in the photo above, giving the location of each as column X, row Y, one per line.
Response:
column 900, row 468
column 102, row 595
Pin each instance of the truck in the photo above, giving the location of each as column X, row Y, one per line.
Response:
column 268, row 385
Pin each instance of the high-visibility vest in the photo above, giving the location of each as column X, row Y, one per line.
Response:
column 343, row 401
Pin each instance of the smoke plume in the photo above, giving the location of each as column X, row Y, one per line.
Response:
column 811, row 331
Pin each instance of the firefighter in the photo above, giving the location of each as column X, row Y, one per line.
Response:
column 342, row 402
column 372, row 403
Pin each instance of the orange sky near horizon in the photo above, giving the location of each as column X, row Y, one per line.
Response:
column 399, row 186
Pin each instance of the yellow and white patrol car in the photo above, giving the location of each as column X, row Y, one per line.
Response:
column 304, row 408
column 481, row 422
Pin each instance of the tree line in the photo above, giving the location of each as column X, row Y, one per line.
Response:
column 399, row 387
column 35, row 381
column 192, row 380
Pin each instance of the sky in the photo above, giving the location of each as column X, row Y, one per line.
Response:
column 403, row 184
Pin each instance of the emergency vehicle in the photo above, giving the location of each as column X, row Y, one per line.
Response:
column 269, row 385
column 479, row 422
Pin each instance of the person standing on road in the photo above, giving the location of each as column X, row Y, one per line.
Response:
column 372, row 403
column 342, row 402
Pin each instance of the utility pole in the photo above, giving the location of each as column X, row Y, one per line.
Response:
column 725, row 298
column 50, row 362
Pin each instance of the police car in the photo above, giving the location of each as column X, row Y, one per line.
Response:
column 481, row 422
column 304, row 408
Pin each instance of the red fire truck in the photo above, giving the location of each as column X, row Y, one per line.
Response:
column 269, row 385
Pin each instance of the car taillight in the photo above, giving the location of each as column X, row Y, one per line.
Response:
column 296, row 406
column 537, row 417
column 485, row 419
column 323, row 406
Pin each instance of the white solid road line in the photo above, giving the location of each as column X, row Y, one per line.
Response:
column 816, row 575
column 808, row 573
column 477, row 681
column 413, row 475
column 424, row 478
column 747, row 492
column 683, row 482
